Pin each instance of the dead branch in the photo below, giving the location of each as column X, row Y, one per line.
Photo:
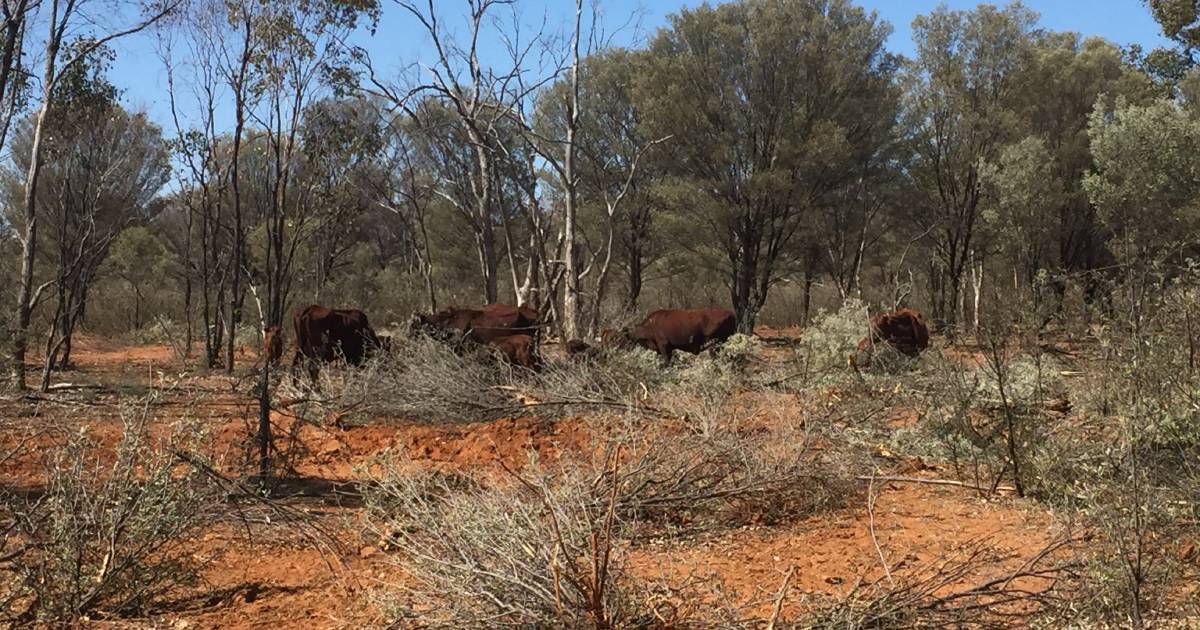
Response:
column 935, row 482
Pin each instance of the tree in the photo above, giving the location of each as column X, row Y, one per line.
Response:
column 103, row 168
column 139, row 258
column 1180, row 22
column 962, row 89
column 611, row 152
column 1146, row 179
column 206, row 247
column 770, row 102
column 15, row 15
column 405, row 189
column 480, row 99
column 62, row 15
column 1021, row 193
column 299, row 49
column 1067, row 78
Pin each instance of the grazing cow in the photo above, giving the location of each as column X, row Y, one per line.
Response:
column 481, row 325
column 325, row 334
column 272, row 344
column 690, row 330
column 905, row 330
column 517, row 350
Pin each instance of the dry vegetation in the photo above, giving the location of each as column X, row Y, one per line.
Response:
column 1033, row 192
column 759, row 437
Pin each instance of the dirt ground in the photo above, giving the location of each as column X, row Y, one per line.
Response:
column 277, row 578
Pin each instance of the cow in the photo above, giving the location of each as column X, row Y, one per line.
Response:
column 905, row 330
column 516, row 350
column 272, row 344
column 690, row 330
column 479, row 325
column 324, row 335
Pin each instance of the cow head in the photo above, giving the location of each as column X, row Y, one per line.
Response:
column 617, row 338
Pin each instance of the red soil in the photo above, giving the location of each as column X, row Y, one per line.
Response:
column 275, row 580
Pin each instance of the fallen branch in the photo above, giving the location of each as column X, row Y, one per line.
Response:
column 934, row 482
column 64, row 386
column 871, row 496
column 236, row 488
column 777, row 609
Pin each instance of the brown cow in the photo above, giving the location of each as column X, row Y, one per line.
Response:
column 905, row 330
column 691, row 330
column 324, row 335
column 272, row 344
column 517, row 350
column 481, row 325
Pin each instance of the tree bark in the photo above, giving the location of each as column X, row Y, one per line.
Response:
column 570, row 312
column 29, row 207
column 239, row 238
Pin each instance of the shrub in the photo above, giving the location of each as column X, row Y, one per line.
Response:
column 537, row 550
column 426, row 379
column 832, row 336
column 107, row 538
column 728, row 476
column 421, row 378
column 545, row 547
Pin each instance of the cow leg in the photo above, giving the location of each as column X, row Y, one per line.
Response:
column 665, row 351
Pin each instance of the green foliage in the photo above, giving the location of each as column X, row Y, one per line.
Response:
column 1024, row 193
column 771, row 104
column 833, row 336
column 1147, row 176
column 139, row 257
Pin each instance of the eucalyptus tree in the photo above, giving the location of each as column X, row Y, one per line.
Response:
column 962, row 91
column 195, row 86
column 613, row 164
column 104, row 167
column 769, row 103
column 1047, row 221
column 61, row 18
column 479, row 98
column 300, row 49
column 1146, row 180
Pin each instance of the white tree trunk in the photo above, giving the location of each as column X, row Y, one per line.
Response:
column 571, row 294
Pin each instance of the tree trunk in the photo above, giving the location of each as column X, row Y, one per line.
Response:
column 806, row 310
column 571, row 186
column 29, row 242
column 634, row 287
column 486, row 238
column 239, row 238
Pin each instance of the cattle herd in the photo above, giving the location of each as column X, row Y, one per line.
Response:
column 512, row 334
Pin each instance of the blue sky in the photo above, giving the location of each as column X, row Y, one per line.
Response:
column 399, row 41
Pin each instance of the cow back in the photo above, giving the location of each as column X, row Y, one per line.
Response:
column 486, row 324
column 322, row 333
column 684, row 329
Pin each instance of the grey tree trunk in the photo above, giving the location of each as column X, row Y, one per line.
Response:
column 29, row 205
column 570, row 312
